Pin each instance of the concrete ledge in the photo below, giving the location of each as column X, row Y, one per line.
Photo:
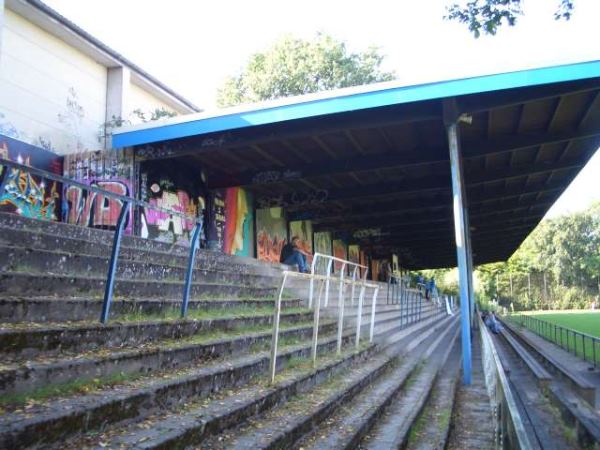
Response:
column 58, row 309
column 581, row 386
column 32, row 341
column 21, row 284
column 61, row 418
column 144, row 360
column 76, row 264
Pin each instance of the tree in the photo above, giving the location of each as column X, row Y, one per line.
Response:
column 489, row 15
column 295, row 66
column 557, row 266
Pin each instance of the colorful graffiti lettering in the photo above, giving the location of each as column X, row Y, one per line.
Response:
column 177, row 201
column 28, row 197
column 25, row 194
column 83, row 207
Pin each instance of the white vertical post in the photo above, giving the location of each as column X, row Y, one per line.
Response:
column 372, row 330
column 353, row 285
column 359, row 313
column 316, row 327
column 275, row 337
column 340, row 310
column 327, row 282
column 312, row 280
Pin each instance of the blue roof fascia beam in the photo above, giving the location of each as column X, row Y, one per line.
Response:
column 378, row 97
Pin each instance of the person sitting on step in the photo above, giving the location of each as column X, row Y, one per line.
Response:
column 291, row 254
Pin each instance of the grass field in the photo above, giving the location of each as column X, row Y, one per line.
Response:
column 587, row 322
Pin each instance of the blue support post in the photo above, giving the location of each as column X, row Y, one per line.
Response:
column 469, row 250
column 112, row 264
column 190, row 268
column 459, row 203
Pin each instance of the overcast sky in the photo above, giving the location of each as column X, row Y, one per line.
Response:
column 193, row 45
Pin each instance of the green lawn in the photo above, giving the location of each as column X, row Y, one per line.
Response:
column 587, row 322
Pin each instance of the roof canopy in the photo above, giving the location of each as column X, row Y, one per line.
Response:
column 371, row 164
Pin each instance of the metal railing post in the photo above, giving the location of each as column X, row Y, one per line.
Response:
column 194, row 240
column 316, row 327
column 312, row 281
column 329, row 265
column 353, row 286
column 112, row 265
column 340, row 310
column 275, row 337
column 359, row 314
column 374, row 302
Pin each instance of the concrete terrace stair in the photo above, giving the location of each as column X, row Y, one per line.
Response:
column 149, row 379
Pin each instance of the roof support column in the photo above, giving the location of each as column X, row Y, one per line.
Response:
column 470, row 265
column 451, row 118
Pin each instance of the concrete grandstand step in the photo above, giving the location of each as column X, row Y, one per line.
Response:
column 31, row 339
column 386, row 410
column 54, row 420
column 15, row 259
column 198, row 421
column 18, row 375
column 304, row 413
column 559, row 362
column 52, row 309
column 36, row 234
column 431, row 428
column 32, row 284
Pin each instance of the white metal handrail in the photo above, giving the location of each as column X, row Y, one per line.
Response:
column 331, row 259
column 324, row 282
column 510, row 430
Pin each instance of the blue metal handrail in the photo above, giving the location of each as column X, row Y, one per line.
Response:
column 126, row 202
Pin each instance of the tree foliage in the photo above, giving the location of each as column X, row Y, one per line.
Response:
column 556, row 267
column 295, row 66
column 486, row 16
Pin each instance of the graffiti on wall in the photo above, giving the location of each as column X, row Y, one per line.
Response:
column 295, row 198
column 90, row 209
column 363, row 262
column 271, row 233
column 169, row 185
column 178, row 201
column 322, row 245
column 375, row 269
column 339, row 251
column 108, row 170
column 26, row 194
column 239, row 223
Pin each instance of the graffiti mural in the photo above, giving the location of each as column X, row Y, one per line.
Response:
column 375, row 269
column 239, row 223
column 86, row 208
column 322, row 245
column 363, row 262
column 354, row 253
column 109, row 170
column 339, row 251
column 25, row 194
column 271, row 233
column 172, row 185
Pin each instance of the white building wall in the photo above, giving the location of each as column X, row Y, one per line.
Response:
column 51, row 94
column 138, row 98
